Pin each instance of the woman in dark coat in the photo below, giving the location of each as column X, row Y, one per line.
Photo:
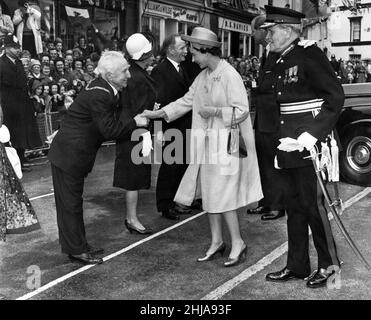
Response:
column 139, row 95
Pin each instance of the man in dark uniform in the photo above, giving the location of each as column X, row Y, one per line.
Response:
column 91, row 119
column 309, row 99
column 173, row 76
column 266, row 134
column 17, row 105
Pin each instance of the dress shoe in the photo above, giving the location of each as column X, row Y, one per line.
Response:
column 258, row 210
column 180, row 209
column 170, row 214
column 282, row 275
column 319, row 278
column 131, row 229
column 235, row 261
column 85, row 258
column 211, row 256
column 273, row 215
column 94, row 250
column 197, row 204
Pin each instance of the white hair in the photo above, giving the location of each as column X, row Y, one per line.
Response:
column 109, row 62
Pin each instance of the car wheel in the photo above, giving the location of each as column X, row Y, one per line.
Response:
column 355, row 159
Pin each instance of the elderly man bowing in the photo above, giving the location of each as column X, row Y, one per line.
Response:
column 90, row 120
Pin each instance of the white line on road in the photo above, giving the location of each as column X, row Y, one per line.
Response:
column 42, row 196
column 217, row 293
column 115, row 254
column 268, row 259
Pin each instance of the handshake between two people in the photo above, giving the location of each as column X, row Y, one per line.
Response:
column 142, row 120
column 204, row 111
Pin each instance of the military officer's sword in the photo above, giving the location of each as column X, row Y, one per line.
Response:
column 332, row 204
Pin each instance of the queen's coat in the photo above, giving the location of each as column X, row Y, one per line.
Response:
column 225, row 182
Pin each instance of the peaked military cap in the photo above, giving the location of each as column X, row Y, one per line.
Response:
column 277, row 15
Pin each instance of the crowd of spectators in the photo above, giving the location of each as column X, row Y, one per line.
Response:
column 351, row 71
column 58, row 74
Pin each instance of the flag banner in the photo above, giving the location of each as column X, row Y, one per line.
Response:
column 77, row 12
column 79, row 19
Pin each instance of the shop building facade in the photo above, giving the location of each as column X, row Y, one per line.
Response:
column 229, row 19
column 164, row 18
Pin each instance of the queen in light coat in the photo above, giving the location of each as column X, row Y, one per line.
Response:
column 225, row 182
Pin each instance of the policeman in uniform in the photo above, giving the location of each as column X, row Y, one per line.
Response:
column 91, row 119
column 308, row 98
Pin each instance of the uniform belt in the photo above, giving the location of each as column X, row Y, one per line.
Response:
column 300, row 107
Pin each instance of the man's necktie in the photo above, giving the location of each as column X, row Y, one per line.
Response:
column 181, row 72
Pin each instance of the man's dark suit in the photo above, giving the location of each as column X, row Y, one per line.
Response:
column 90, row 120
column 170, row 87
column 267, row 127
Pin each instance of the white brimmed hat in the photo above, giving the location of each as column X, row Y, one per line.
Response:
column 138, row 45
column 203, row 37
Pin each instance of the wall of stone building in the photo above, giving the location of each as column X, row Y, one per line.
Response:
column 339, row 25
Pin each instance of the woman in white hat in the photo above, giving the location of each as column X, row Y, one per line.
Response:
column 138, row 96
column 226, row 182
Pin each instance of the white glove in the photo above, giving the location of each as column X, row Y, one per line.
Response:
column 289, row 145
column 306, row 43
column 147, row 144
column 307, row 140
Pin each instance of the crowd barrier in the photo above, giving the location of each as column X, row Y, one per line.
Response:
column 47, row 123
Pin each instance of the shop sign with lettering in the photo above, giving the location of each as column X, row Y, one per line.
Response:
column 176, row 13
column 233, row 25
column 245, row 5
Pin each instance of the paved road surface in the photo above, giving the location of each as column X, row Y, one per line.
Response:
column 163, row 266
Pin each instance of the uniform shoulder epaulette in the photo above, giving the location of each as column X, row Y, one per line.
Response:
column 88, row 88
column 307, row 43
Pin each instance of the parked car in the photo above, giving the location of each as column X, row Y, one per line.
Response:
column 354, row 129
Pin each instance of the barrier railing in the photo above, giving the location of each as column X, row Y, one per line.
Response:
column 47, row 123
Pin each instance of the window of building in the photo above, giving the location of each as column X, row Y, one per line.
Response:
column 155, row 28
column 145, row 23
column 354, row 57
column 355, row 29
column 225, row 43
column 152, row 24
column 182, row 28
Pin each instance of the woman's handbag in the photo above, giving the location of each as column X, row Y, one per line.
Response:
column 235, row 140
column 10, row 151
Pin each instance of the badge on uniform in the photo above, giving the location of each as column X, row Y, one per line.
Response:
column 291, row 75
